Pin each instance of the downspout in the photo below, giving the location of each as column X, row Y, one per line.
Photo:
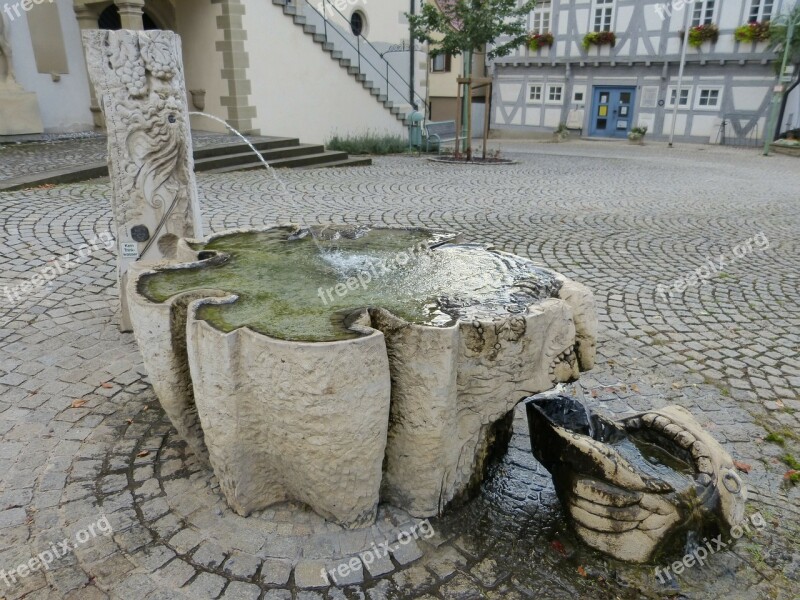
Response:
column 411, row 66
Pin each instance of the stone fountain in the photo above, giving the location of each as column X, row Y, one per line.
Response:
column 397, row 393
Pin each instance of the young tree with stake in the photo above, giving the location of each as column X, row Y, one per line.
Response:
column 457, row 27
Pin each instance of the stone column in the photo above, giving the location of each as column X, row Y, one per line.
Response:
column 87, row 19
column 139, row 80
column 130, row 13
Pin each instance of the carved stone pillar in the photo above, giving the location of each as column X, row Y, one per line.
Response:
column 139, row 80
column 130, row 14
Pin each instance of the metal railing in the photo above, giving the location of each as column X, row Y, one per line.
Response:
column 732, row 132
column 370, row 61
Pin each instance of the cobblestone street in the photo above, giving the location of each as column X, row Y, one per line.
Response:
column 83, row 434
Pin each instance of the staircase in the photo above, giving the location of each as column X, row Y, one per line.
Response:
column 359, row 57
column 279, row 153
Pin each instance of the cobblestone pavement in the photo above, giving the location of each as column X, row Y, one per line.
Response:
column 83, row 435
column 37, row 157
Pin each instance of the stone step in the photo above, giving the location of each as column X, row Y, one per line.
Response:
column 319, row 159
column 310, row 29
column 353, row 161
column 319, row 38
column 246, row 158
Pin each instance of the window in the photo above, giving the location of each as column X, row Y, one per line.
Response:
column 535, row 93
column 440, row 63
column 686, row 94
column 603, row 14
column 577, row 97
column 357, row 23
column 708, row 98
column 703, row 12
column 540, row 17
column 555, row 93
column 761, row 10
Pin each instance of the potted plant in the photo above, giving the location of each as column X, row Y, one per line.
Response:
column 702, row 33
column 753, row 32
column 561, row 134
column 599, row 38
column 536, row 41
column 636, row 135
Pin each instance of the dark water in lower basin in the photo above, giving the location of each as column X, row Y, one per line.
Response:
column 302, row 289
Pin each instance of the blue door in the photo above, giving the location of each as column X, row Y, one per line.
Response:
column 612, row 111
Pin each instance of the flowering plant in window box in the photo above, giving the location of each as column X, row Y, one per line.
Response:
column 599, row 38
column 753, row 32
column 702, row 33
column 539, row 40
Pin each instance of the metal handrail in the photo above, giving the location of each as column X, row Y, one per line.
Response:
column 327, row 4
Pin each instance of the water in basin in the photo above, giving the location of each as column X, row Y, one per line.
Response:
column 303, row 287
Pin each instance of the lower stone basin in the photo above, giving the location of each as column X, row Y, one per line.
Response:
column 343, row 366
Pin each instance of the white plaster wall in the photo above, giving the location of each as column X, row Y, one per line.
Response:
column 197, row 26
column 298, row 90
column 64, row 105
column 791, row 117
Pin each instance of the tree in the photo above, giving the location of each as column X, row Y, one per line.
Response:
column 779, row 32
column 458, row 27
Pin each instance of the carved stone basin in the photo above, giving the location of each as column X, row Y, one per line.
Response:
column 640, row 485
column 296, row 376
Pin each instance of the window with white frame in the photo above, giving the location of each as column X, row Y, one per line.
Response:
column 761, row 10
column 555, row 93
column 535, row 92
column 708, row 98
column 540, row 17
column 603, row 14
column 685, row 96
column 703, row 12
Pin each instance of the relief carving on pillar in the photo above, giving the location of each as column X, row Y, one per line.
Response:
column 138, row 78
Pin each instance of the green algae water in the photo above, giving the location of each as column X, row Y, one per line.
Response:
column 302, row 288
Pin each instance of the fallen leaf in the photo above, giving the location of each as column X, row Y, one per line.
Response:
column 743, row 467
column 559, row 547
column 106, row 385
column 635, row 388
column 78, row 403
column 143, row 453
column 790, row 473
column 581, row 571
column 130, row 421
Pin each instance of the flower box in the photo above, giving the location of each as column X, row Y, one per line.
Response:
column 753, row 32
column 599, row 38
column 536, row 41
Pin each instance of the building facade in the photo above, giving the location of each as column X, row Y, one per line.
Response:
column 606, row 84
column 299, row 68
